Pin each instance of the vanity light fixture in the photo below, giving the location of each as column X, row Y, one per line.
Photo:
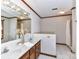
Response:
column 6, row 2
column 17, row 9
column 21, row 17
column 25, row 13
column 62, row 12
column 13, row 6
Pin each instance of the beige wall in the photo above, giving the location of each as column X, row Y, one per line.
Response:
column 55, row 25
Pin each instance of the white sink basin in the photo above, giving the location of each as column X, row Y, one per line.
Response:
column 4, row 50
column 27, row 44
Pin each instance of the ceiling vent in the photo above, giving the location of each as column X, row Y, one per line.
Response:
column 55, row 9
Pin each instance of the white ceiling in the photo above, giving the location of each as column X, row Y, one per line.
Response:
column 44, row 7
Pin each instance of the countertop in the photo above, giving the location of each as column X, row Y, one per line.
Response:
column 15, row 50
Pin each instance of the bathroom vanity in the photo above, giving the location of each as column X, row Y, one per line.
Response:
column 29, row 50
column 40, row 43
column 32, row 53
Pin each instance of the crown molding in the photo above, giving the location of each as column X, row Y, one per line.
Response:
column 73, row 8
column 57, row 16
column 44, row 16
column 31, row 8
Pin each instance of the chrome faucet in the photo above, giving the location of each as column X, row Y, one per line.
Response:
column 5, row 50
column 23, row 39
column 21, row 36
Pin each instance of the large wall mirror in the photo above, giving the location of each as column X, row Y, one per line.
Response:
column 23, row 27
column 14, row 21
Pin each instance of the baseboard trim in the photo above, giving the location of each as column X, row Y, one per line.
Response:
column 73, row 51
column 67, row 46
column 48, row 55
column 70, row 49
column 60, row 43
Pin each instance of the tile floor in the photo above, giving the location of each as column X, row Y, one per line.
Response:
column 62, row 53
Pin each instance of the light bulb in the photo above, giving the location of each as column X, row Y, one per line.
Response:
column 6, row 2
column 25, row 13
column 13, row 6
column 62, row 12
column 17, row 9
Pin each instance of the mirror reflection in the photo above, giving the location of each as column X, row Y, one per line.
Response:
column 14, row 20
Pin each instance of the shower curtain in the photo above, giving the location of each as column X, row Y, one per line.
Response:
column 68, row 33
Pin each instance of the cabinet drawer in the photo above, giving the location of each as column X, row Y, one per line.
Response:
column 32, row 50
column 25, row 56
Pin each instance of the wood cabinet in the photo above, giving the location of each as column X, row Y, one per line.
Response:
column 33, row 53
column 25, row 56
column 38, row 46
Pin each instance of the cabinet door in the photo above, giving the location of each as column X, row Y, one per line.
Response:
column 25, row 56
column 32, row 53
column 38, row 49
